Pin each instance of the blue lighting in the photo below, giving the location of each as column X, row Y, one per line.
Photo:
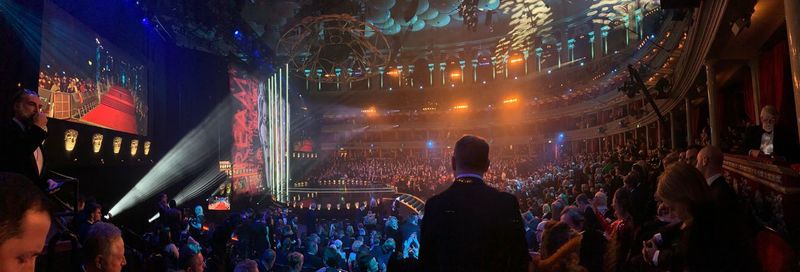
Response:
column 652, row 36
column 236, row 33
column 430, row 143
column 561, row 135
column 145, row 21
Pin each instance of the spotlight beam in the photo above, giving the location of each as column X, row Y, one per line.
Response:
column 186, row 157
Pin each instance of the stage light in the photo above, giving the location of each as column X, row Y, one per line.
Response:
column 515, row 60
column 145, row 21
column 236, row 33
column 430, row 144
column 186, row 157
column 455, row 75
column 461, row 107
column 510, row 101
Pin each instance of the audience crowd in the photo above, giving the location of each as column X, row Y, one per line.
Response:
column 626, row 210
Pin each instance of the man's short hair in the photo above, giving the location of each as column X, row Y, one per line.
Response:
column 294, row 259
column 186, row 257
column 18, row 195
column 471, row 152
column 246, row 266
column 99, row 239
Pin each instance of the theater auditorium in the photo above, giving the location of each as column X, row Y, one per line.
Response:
column 399, row 135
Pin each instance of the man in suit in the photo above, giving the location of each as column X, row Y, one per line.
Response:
column 471, row 226
column 709, row 162
column 770, row 140
column 21, row 139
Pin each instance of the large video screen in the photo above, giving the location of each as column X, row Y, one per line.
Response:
column 248, row 148
column 84, row 78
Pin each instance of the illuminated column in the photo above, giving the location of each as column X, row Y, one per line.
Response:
column 559, row 47
column 442, row 66
column 637, row 15
column 525, row 55
column 430, row 72
column 462, row 64
column 399, row 76
column 604, row 35
column 474, row 70
column 494, row 67
column 381, row 71
column 338, row 72
column 319, row 79
column 369, row 78
column 571, row 49
column 411, row 73
column 627, row 22
column 307, row 72
column 350, row 82
column 792, row 11
column 591, row 43
column 539, row 59
column 505, row 65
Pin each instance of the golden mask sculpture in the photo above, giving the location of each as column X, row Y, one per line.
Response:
column 97, row 142
column 134, row 147
column 70, row 138
column 147, row 148
column 117, row 144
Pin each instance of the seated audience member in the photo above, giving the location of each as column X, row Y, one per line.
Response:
column 191, row 260
column 246, row 266
column 92, row 213
column 622, row 234
column 770, row 140
column 310, row 260
column 593, row 243
column 368, row 263
column 331, row 259
column 706, row 242
column 24, row 223
column 560, row 249
column 469, row 218
column 267, row 260
column 295, row 262
column 103, row 249
column 691, row 154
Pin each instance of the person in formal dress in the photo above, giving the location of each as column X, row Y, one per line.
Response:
column 471, row 226
column 104, row 249
column 21, row 139
column 709, row 162
column 24, row 223
column 769, row 140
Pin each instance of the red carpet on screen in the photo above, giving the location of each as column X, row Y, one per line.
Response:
column 116, row 111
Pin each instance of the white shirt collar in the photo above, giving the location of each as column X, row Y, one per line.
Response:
column 711, row 179
column 469, row 175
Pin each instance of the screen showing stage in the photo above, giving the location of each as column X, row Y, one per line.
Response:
column 83, row 78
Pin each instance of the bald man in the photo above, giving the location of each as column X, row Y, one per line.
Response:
column 709, row 162
column 471, row 226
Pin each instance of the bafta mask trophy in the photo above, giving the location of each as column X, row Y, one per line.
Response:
column 97, row 142
column 134, row 147
column 70, row 138
column 117, row 144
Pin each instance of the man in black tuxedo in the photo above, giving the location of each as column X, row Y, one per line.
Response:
column 471, row 226
column 770, row 140
column 709, row 162
column 21, row 139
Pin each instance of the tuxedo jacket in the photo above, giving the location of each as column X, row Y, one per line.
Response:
column 17, row 146
column 472, row 227
column 785, row 144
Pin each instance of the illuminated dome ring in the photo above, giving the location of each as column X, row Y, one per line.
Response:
column 335, row 49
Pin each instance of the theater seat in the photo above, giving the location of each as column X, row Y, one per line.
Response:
column 773, row 252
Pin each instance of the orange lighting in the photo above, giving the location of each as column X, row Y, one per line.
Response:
column 461, row 107
column 455, row 74
column 510, row 101
column 515, row 60
column 393, row 73
column 369, row 110
column 428, row 109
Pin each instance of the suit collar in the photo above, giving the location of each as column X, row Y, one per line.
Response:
column 462, row 179
column 710, row 180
